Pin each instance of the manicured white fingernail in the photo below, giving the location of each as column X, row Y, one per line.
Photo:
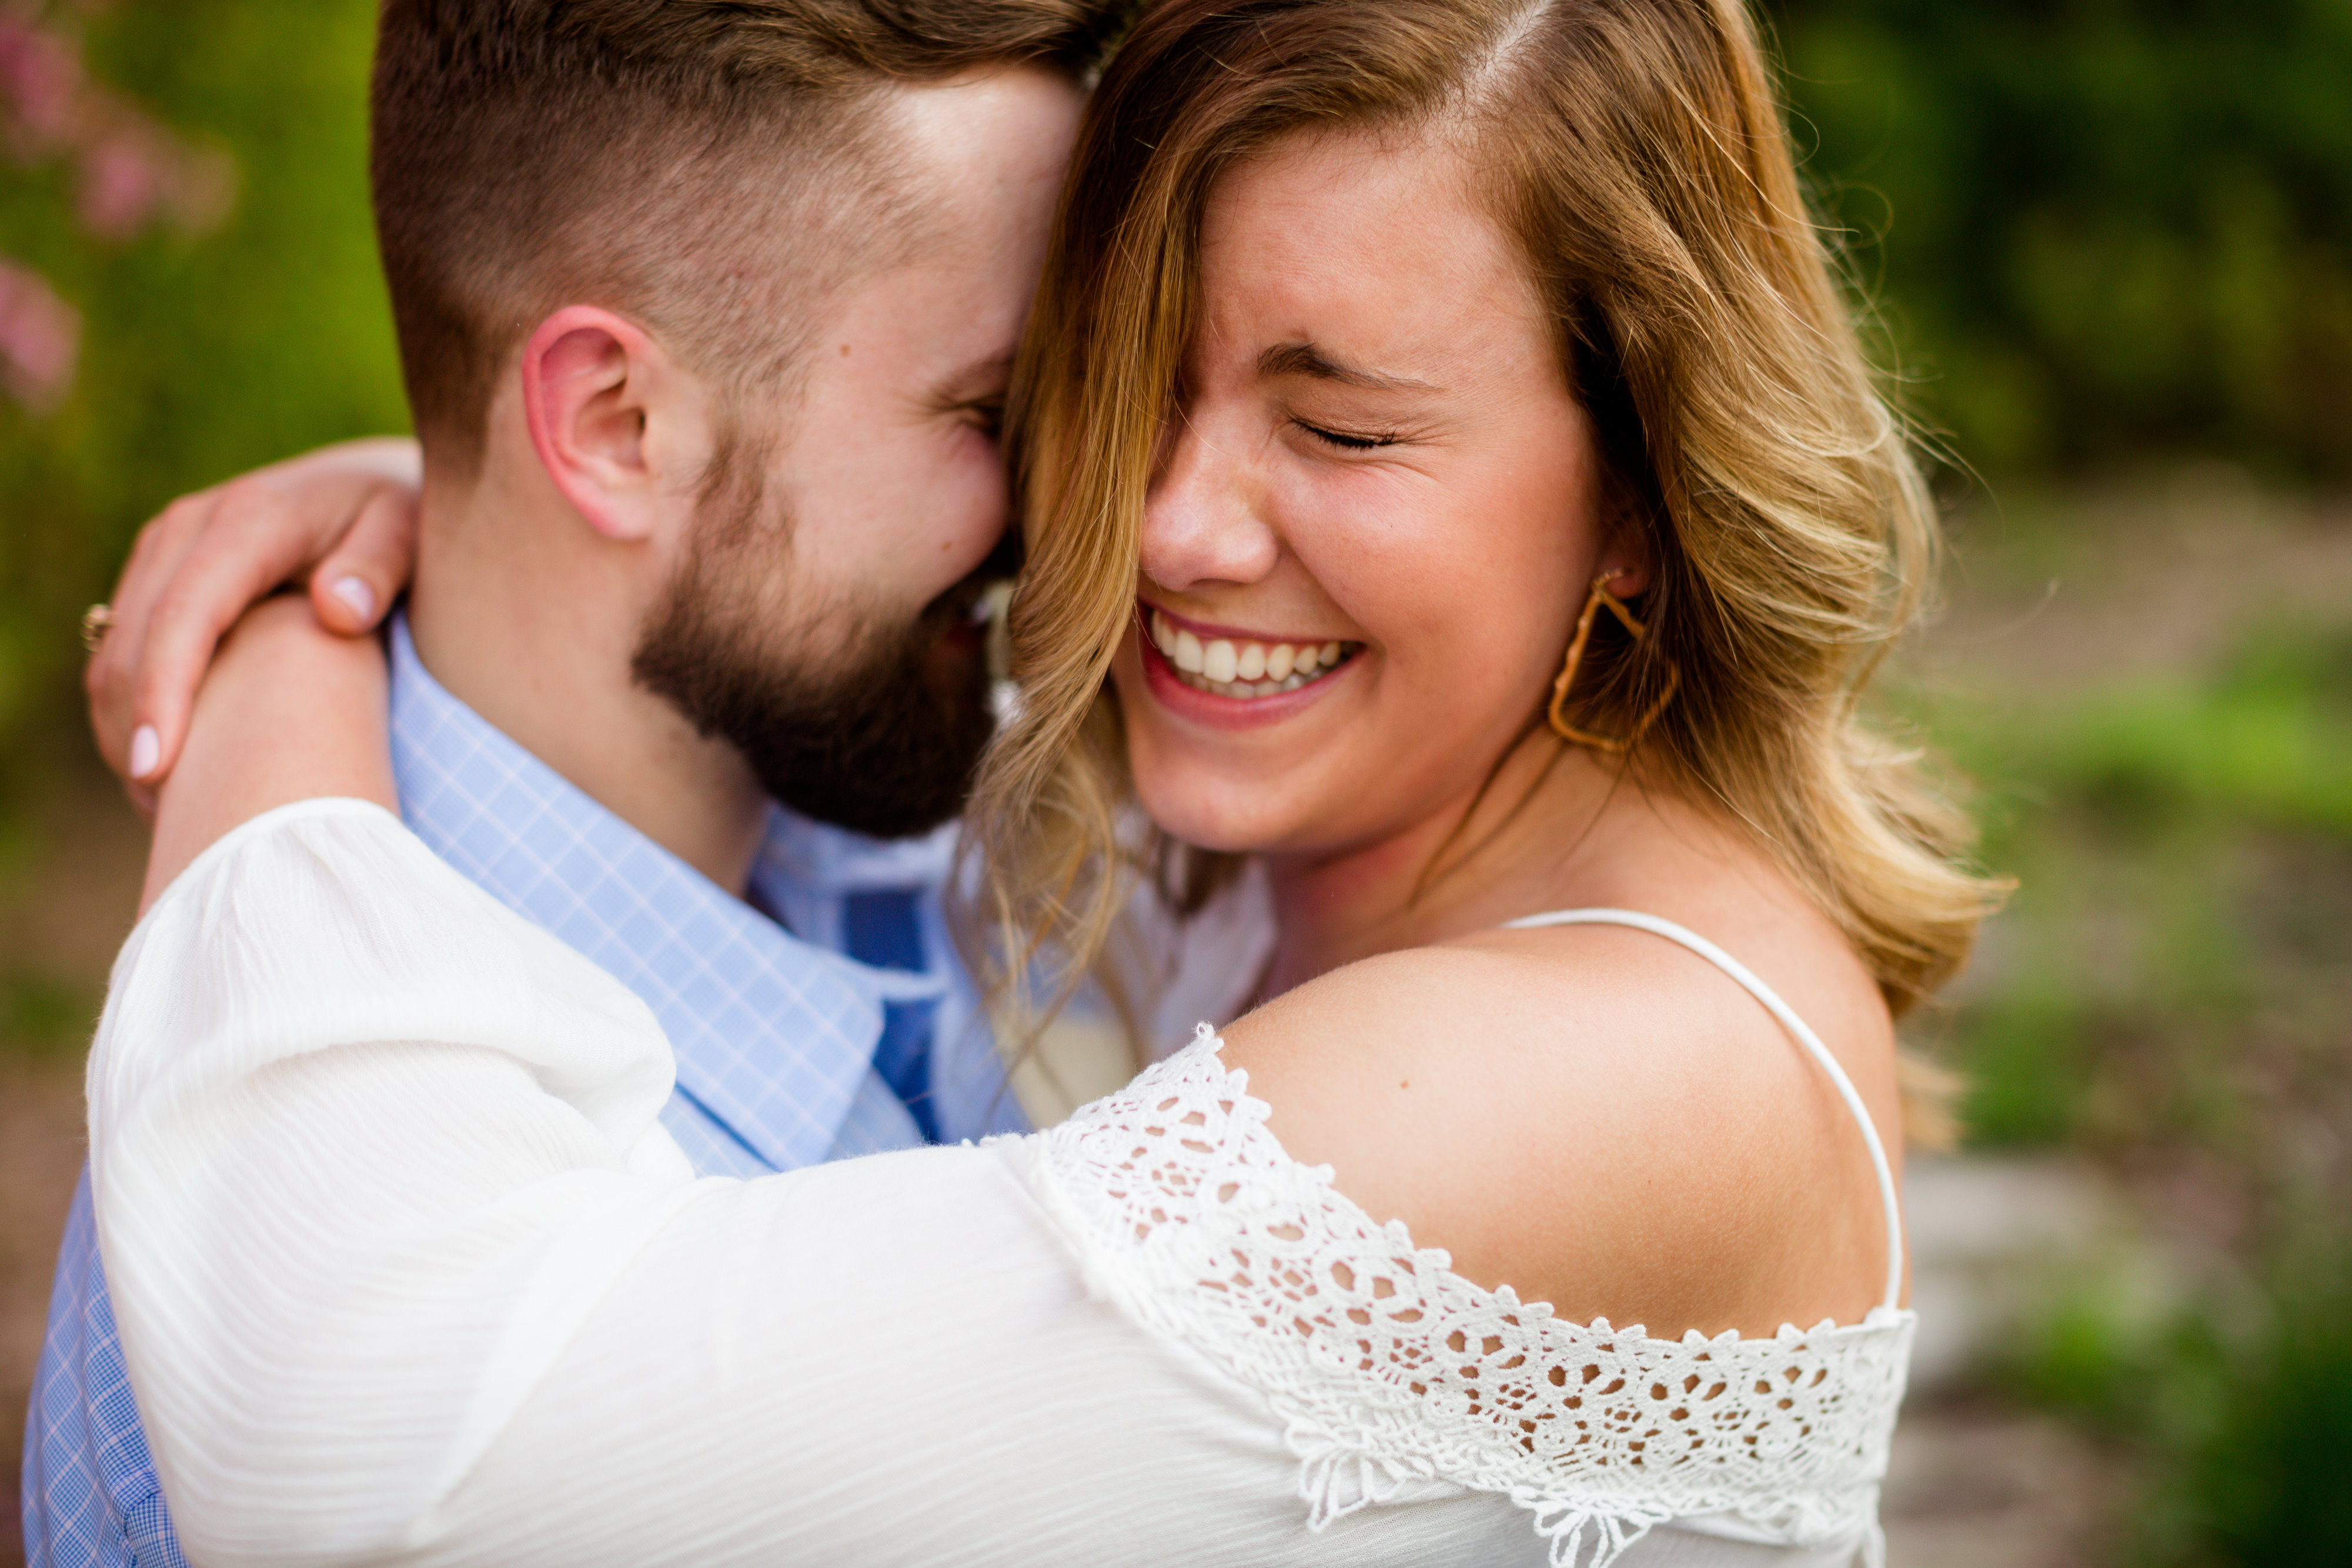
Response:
column 146, row 750
column 356, row 594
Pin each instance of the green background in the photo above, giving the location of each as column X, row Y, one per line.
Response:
column 2104, row 244
column 2094, row 231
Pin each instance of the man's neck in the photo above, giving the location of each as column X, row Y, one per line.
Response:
column 530, row 621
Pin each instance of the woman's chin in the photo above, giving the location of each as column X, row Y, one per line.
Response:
column 1220, row 794
column 1203, row 813
column 1206, row 830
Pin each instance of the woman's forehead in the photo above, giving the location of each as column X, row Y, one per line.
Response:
column 1368, row 245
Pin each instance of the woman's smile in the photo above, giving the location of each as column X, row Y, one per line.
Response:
column 1241, row 673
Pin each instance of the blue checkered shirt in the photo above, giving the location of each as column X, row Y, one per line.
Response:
column 819, row 1017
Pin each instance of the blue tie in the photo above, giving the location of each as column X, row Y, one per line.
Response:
column 880, row 928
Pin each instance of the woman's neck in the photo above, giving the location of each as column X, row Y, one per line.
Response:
column 1530, row 839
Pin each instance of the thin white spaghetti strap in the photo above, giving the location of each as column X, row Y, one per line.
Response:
column 1789, row 1020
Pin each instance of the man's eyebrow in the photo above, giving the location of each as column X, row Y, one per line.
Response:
column 1306, row 359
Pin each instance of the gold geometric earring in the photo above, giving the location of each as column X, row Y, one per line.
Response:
column 1613, row 745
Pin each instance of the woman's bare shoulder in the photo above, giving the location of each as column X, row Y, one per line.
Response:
column 1593, row 1115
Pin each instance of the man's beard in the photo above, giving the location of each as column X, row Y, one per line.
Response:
column 878, row 733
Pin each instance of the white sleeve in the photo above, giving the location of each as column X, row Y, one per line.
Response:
column 408, row 1272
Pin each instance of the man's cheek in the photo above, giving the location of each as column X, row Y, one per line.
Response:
column 986, row 504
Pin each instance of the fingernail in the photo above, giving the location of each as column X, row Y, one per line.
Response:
column 146, row 750
column 356, row 594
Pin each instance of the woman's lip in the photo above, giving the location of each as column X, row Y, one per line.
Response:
column 1207, row 629
column 1215, row 712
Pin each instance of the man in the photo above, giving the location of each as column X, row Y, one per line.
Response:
column 705, row 307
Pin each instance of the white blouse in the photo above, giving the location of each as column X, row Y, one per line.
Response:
column 408, row 1272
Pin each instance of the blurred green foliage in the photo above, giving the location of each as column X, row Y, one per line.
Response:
column 2171, row 995
column 2184, row 849
column 2235, row 1405
column 42, row 1015
column 2099, row 228
column 201, row 357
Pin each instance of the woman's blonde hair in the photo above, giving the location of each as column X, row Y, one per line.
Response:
column 1635, row 149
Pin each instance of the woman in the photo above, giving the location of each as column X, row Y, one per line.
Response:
column 1441, row 430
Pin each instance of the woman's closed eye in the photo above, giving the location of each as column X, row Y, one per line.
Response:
column 1350, row 440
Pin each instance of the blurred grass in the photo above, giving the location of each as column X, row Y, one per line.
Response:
column 2170, row 836
column 43, row 1017
column 2237, row 1414
column 2170, row 994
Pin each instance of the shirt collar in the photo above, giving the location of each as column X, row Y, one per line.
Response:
column 772, row 1034
column 805, row 868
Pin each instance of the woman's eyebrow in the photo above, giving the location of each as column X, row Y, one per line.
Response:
column 1306, row 359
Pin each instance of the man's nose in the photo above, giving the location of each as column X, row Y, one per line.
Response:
column 1205, row 519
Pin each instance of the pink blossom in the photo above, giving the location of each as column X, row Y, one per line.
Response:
column 133, row 170
column 41, row 84
column 39, row 334
column 134, row 173
column 123, row 183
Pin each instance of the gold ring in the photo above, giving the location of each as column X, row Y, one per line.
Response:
column 96, row 623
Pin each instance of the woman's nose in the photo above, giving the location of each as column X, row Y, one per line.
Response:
column 1204, row 520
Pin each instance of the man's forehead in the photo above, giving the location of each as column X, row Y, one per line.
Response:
column 975, row 170
column 967, row 144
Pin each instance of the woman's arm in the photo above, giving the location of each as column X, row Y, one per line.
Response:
column 342, row 518
column 289, row 712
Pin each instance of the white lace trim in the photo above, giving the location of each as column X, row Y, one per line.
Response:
column 1388, row 1368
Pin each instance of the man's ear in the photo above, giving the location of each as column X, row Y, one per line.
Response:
column 609, row 414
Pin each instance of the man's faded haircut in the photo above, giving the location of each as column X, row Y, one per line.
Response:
column 706, row 167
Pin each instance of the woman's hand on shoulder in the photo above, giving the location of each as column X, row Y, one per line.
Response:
column 287, row 712
column 1593, row 1116
column 344, row 519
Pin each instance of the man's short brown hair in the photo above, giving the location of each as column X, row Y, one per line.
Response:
column 702, row 165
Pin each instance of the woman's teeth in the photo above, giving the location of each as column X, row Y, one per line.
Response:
column 1231, row 669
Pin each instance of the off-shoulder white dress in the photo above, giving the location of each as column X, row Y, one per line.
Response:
column 408, row 1271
